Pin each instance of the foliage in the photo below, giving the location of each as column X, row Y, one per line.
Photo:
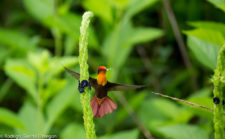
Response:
column 39, row 37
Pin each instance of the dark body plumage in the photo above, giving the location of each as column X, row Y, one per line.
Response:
column 101, row 91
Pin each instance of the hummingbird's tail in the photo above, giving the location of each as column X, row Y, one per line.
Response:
column 103, row 106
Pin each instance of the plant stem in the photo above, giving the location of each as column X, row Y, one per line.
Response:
column 218, row 82
column 57, row 33
column 5, row 88
column 180, row 42
column 84, row 75
column 58, row 41
column 39, row 104
column 137, row 121
column 186, row 102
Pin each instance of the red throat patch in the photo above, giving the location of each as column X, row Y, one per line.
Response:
column 101, row 107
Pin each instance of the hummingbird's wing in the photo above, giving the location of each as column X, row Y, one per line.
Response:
column 77, row 76
column 122, row 87
column 73, row 73
column 109, row 86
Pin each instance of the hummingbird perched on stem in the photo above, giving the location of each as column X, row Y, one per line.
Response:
column 102, row 104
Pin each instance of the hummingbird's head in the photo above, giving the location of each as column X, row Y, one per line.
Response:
column 102, row 69
column 101, row 79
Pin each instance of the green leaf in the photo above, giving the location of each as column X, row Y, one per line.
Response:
column 70, row 24
column 130, row 134
column 50, row 66
column 73, row 130
column 204, row 92
column 220, row 27
column 218, row 3
column 58, row 104
column 32, row 120
column 39, row 9
column 134, row 103
column 141, row 35
column 135, row 6
column 4, row 54
column 205, row 101
column 16, row 40
column 76, row 105
column 54, row 86
column 171, row 110
column 114, row 46
column 120, row 4
column 205, row 52
column 69, row 45
column 180, row 78
column 23, row 75
column 183, row 131
column 102, row 8
column 9, row 118
column 4, row 129
column 6, row 86
column 202, row 97
column 210, row 35
column 157, row 112
column 57, row 65
column 121, row 40
column 40, row 61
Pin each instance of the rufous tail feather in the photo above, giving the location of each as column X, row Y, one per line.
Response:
column 103, row 106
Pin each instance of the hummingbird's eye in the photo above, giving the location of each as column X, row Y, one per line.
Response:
column 99, row 70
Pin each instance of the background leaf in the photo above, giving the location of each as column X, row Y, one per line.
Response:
column 73, row 130
column 218, row 3
column 9, row 118
column 209, row 35
column 23, row 75
column 132, row 134
column 102, row 8
column 135, row 6
column 183, row 132
column 216, row 26
column 58, row 105
column 16, row 40
column 205, row 52
column 27, row 114
column 42, row 9
column 119, row 44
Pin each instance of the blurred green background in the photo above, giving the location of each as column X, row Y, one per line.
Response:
column 132, row 37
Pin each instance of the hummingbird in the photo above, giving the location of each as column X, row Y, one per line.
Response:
column 101, row 103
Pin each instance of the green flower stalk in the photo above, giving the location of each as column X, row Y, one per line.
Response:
column 218, row 81
column 84, row 75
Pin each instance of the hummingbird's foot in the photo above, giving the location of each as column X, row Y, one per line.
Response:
column 82, row 85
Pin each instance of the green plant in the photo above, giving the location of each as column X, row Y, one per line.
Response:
column 32, row 74
column 84, row 75
column 209, row 50
column 218, row 82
